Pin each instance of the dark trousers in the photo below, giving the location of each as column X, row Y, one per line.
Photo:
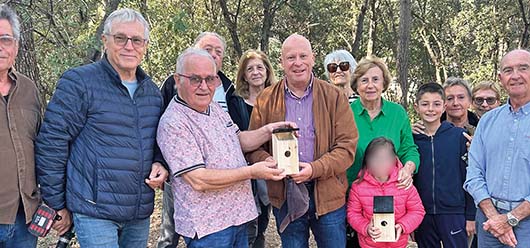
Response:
column 450, row 229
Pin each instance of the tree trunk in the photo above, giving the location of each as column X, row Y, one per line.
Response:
column 269, row 12
column 523, row 43
column 26, row 61
column 231, row 23
column 403, row 49
column 359, row 30
column 372, row 31
column 94, row 53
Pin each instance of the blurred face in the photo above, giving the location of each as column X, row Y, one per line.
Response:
column 370, row 85
column 195, row 91
column 458, row 101
column 430, row 107
column 341, row 75
column 297, row 60
column 381, row 162
column 8, row 46
column 125, row 57
column 214, row 46
column 255, row 73
column 515, row 74
column 484, row 101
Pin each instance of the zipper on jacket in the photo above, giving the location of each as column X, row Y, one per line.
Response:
column 433, row 175
column 139, row 136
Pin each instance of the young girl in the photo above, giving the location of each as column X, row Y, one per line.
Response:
column 378, row 177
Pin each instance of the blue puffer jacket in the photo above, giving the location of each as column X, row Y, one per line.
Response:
column 96, row 144
column 442, row 172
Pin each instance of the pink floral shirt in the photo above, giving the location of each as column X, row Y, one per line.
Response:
column 190, row 140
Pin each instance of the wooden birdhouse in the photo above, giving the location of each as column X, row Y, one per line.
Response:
column 285, row 149
column 384, row 218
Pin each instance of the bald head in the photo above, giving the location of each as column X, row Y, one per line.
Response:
column 515, row 54
column 296, row 40
column 297, row 60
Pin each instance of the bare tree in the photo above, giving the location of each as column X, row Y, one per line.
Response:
column 359, row 29
column 270, row 7
column 231, row 23
column 402, row 65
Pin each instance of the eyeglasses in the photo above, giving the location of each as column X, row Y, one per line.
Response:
column 196, row 81
column 344, row 66
column 121, row 40
column 489, row 100
column 7, row 40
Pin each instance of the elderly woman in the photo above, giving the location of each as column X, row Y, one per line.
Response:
column 486, row 96
column 253, row 75
column 377, row 117
column 339, row 66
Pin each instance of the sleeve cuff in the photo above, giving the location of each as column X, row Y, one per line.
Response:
column 186, row 170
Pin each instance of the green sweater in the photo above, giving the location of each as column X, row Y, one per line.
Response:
column 393, row 123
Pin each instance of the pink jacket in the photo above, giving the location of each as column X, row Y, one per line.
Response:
column 408, row 208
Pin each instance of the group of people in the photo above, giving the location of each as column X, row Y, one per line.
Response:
column 110, row 137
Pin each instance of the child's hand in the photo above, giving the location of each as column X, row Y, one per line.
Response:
column 373, row 232
column 399, row 231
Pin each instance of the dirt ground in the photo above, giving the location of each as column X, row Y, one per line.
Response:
column 272, row 237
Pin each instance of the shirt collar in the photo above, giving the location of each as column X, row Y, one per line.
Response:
column 181, row 101
column 306, row 92
column 359, row 108
column 525, row 109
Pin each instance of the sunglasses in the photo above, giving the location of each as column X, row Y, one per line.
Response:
column 489, row 100
column 344, row 66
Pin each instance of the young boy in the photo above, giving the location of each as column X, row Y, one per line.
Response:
column 443, row 154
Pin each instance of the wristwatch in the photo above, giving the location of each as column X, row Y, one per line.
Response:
column 512, row 220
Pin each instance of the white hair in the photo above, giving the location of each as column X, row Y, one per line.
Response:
column 125, row 15
column 8, row 14
column 340, row 55
column 204, row 34
column 182, row 58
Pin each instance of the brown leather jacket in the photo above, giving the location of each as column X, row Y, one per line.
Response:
column 20, row 118
column 335, row 142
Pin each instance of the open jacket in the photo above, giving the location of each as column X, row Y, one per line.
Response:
column 19, row 122
column 408, row 209
column 335, row 142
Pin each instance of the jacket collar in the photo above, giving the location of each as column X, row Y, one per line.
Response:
column 141, row 76
column 472, row 118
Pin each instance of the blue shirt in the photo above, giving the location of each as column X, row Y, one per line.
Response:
column 499, row 157
column 131, row 86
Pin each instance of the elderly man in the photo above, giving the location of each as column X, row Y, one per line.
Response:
column 327, row 144
column 204, row 150
column 215, row 45
column 21, row 114
column 498, row 176
column 95, row 150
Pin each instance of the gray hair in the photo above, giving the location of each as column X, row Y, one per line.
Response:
column 454, row 81
column 8, row 14
column 181, row 60
column 125, row 15
column 204, row 34
column 340, row 55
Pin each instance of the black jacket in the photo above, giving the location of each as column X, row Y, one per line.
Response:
column 442, row 172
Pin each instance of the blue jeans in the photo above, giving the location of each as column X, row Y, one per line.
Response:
column 231, row 237
column 17, row 235
column 486, row 239
column 102, row 233
column 329, row 229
